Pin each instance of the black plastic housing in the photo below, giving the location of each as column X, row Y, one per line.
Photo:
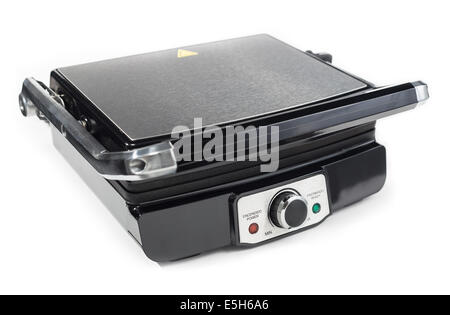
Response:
column 193, row 225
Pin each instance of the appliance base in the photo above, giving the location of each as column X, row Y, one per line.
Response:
column 190, row 225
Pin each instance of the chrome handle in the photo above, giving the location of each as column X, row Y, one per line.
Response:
column 142, row 163
column 356, row 109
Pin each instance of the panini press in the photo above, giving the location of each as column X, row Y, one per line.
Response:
column 112, row 121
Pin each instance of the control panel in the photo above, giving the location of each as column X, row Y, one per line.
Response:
column 277, row 211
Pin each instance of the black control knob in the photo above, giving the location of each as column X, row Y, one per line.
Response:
column 288, row 209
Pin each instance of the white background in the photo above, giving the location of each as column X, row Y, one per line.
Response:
column 56, row 237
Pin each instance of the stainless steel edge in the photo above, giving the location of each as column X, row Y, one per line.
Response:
column 421, row 92
column 133, row 165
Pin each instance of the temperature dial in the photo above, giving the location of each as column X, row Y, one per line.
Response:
column 288, row 209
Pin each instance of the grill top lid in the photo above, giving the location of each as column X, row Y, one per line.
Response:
column 223, row 82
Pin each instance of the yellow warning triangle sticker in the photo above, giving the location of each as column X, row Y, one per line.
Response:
column 186, row 53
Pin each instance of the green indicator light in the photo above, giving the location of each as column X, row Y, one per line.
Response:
column 316, row 208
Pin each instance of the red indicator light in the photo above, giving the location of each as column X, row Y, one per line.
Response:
column 253, row 228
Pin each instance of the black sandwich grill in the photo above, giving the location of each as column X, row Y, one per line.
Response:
column 112, row 121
